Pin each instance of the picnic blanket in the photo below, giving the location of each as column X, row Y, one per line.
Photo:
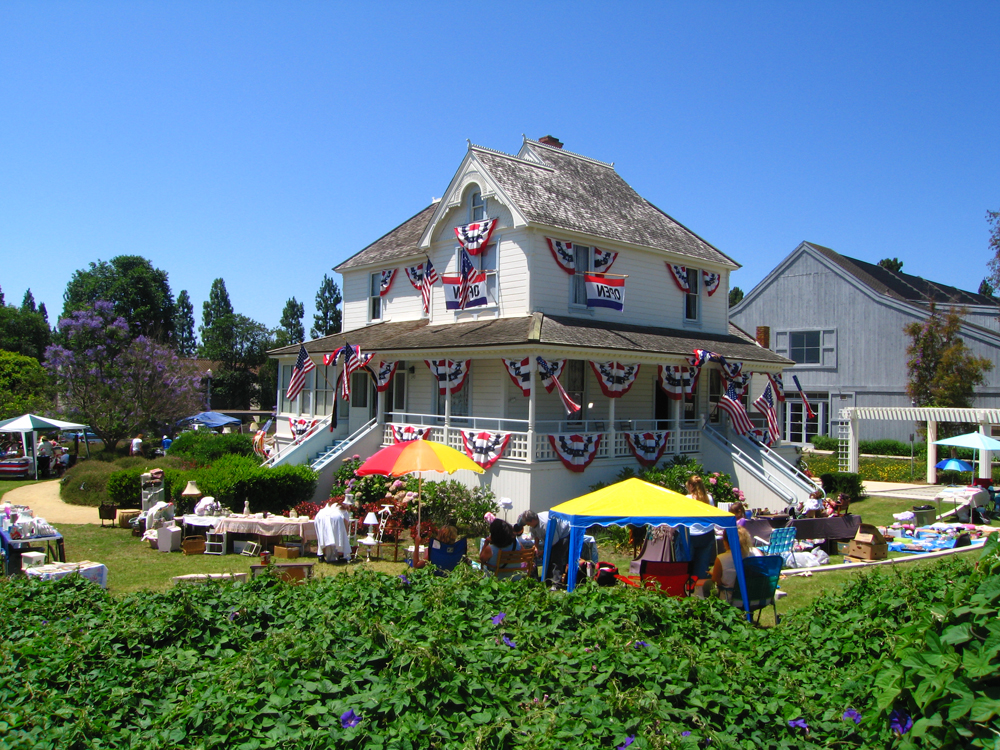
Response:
column 935, row 537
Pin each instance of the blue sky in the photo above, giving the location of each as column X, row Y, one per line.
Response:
column 266, row 142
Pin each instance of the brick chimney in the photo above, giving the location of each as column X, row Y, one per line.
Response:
column 764, row 336
column 550, row 140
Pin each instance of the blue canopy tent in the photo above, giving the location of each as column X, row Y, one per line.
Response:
column 637, row 502
column 211, row 419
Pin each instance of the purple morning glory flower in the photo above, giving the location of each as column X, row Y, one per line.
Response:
column 686, row 733
column 349, row 719
column 507, row 641
column 405, row 580
column 234, row 614
column 497, row 619
column 900, row 721
column 852, row 715
column 641, row 644
column 628, row 741
column 799, row 724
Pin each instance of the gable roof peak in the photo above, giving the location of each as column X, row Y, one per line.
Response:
column 530, row 143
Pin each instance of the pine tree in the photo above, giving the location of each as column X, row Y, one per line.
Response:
column 290, row 330
column 891, row 264
column 735, row 296
column 43, row 312
column 28, row 303
column 327, row 318
column 216, row 323
column 185, row 342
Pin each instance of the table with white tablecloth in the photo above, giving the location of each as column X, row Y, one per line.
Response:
column 273, row 526
column 92, row 571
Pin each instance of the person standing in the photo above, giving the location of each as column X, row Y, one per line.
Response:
column 539, row 525
column 45, row 454
column 703, row 547
column 136, row 449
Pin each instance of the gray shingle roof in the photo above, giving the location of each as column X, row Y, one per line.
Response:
column 902, row 286
column 543, row 331
column 584, row 195
column 401, row 242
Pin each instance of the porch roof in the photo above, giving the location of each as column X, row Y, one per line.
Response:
column 540, row 331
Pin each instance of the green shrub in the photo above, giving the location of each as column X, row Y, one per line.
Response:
column 837, row 482
column 825, row 442
column 233, row 479
column 90, row 482
column 451, row 501
column 884, row 447
column 125, row 488
column 204, row 447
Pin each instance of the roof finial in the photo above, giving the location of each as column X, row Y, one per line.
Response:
column 470, row 143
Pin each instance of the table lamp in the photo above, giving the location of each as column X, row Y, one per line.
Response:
column 369, row 541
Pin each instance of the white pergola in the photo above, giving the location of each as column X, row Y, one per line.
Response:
column 853, row 415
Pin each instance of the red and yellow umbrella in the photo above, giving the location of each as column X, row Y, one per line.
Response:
column 417, row 456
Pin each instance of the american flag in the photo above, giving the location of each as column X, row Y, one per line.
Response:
column 303, row 365
column 805, row 401
column 730, row 403
column 765, row 405
column 467, row 271
column 430, row 279
column 778, row 384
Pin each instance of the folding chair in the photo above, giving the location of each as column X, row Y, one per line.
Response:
column 762, row 574
column 670, row 578
column 519, row 562
column 780, row 544
column 446, row 556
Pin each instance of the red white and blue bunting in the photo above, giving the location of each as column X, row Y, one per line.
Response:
column 385, row 281
column 404, row 433
column 301, row 427
column 604, row 259
column 778, row 384
column 563, row 253
column 550, row 379
column 678, row 381
column 575, row 451
column 449, row 373
column 647, row 447
column 416, row 276
column 711, row 281
column 615, row 378
column 422, row 279
column 354, row 360
column 485, row 448
column 474, row 237
column 680, row 277
column 760, row 435
column 520, row 372
column 382, row 375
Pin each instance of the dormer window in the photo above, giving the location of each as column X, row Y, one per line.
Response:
column 477, row 206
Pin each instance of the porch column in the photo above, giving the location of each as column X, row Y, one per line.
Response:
column 611, row 427
column 531, row 412
column 678, row 413
column 447, row 408
column 380, row 408
column 985, row 457
column 931, row 451
column 853, row 444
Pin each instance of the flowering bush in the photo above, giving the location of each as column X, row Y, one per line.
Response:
column 674, row 476
column 304, row 510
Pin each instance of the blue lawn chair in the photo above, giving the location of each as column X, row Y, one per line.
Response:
column 781, row 543
column 447, row 556
column 762, row 574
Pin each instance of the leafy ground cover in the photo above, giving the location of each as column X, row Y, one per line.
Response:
column 418, row 661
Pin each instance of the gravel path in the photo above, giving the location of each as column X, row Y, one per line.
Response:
column 43, row 499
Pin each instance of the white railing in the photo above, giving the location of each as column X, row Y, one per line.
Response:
column 291, row 446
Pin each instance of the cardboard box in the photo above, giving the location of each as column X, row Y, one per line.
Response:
column 868, row 544
column 289, row 553
column 32, row 559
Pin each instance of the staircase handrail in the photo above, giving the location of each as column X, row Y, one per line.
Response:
column 353, row 438
column 748, row 463
column 793, row 472
column 289, row 447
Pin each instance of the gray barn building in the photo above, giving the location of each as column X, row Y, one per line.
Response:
column 841, row 320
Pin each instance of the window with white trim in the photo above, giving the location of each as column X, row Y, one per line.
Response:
column 692, row 299
column 486, row 261
column 574, row 380
column 459, row 399
column 477, row 206
column 583, row 259
column 816, row 348
column 375, row 297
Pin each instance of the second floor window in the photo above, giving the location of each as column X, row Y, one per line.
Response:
column 804, row 347
column 691, row 298
column 583, row 260
column 375, row 296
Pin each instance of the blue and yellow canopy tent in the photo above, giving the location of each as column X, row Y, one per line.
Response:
column 637, row 502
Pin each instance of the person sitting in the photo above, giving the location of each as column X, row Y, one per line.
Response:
column 445, row 540
column 501, row 539
column 813, row 507
column 724, row 570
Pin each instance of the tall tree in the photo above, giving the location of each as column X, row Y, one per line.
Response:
column 216, row 322
column 184, row 339
column 1, row 297
column 735, row 296
column 28, row 303
column 140, row 293
column 44, row 312
column 327, row 318
column 986, row 288
column 236, row 385
column 118, row 384
column 290, row 329
column 24, row 332
column 891, row 264
column 24, row 385
column 941, row 369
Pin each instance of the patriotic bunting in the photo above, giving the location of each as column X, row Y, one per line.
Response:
column 474, row 237
column 449, row 373
column 678, row 382
column 604, row 259
column 805, row 401
column 711, row 281
column 647, row 447
column 385, row 281
column 729, row 403
column 778, row 384
column 680, row 276
column 575, row 451
column 416, row 276
column 404, row 433
column 550, row 379
column 485, row 448
column 354, row 360
column 382, row 375
column 605, row 291
column 765, row 405
column 615, row 378
column 520, row 372
column 301, row 427
column 563, row 253
column 303, row 364
column 761, row 436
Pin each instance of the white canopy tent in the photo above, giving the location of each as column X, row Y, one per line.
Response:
column 31, row 424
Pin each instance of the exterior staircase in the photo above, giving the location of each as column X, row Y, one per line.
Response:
column 767, row 479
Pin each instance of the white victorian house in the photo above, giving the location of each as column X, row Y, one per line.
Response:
column 516, row 236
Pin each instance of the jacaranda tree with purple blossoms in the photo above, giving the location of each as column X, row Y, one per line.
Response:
column 118, row 384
